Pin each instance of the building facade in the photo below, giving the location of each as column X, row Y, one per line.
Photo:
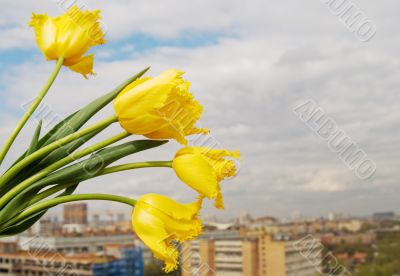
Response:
column 74, row 244
column 120, row 261
column 76, row 213
column 246, row 254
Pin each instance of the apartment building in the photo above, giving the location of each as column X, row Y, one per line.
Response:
column 248, row 254
column 117, row 260
column 49, row 263
column 349, row 239
column 76, row 213
column 305, row 227
column 75, row 244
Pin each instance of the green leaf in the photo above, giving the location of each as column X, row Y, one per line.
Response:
column 21, row 226
column 34, row 143
column 76, row 173
column 68, row 126
column 67, row 149
column 48, row 135
column 30, row 221
column 49, row 159
column 83, row 115
column 93, row 166
column 17, row 204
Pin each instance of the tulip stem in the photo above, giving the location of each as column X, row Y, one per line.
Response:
column 31, row 109
column 13, row 171
column 42, row 206
column 125, row 167
column 138, row 165
column 59, row 164
column 49, row 192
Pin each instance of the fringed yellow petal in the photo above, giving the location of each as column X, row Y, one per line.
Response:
column 203, row 169
column 218, row 154
column 185, row 230
column 77, row 32
column 84, row 66
column 69, row 36
column 159, row 108
column 219, row 201
column 150, row 229
column 225, row 169
column 159, row 220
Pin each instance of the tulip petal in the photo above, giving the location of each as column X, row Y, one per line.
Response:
column 159, row 108
column 145, row 95
column 152, row 232
column 159, row 220
column 204, row 168
column 45, row 33
column 171, row 207
column 77, row 31
column 83, row 66
column 69, row 36
column 194, row 170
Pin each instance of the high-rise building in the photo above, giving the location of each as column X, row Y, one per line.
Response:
column 75, row 213
column 232, row 253
column 384, row 216
column 46, row 227
column 121, row 217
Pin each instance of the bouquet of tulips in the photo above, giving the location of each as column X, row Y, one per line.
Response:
column 159, row 108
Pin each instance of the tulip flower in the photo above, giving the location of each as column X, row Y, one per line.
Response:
column 159, row 108
column 159, row 220
column 54, row 164
column 69, row 37
column 203, row 169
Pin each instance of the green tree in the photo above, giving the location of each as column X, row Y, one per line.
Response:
column 155, row 269
column 385, row 260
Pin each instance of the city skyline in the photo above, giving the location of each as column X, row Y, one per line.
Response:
column 93, row 214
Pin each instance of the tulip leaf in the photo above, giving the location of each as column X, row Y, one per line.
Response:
column 68, row 126
column 67, row 149
column 21, row 226
column 34, row 143
column 51, row 132
column 83, row 170
column 83, row 115
column 30, row 221
column 49, row 159
column 77, row 173
column 93, row 166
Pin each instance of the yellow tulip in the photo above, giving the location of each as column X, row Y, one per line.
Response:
column 203, row 169
column 159, row 108
column 69, row 36
column 159, row 220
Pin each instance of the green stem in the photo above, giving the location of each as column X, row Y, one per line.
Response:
column 49, row 148
column 59, row 164
column 31, row 109
column 49, row 192
column 64, row 199
column 138, row 165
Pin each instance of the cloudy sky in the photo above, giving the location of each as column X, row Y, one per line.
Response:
column 250, row 63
